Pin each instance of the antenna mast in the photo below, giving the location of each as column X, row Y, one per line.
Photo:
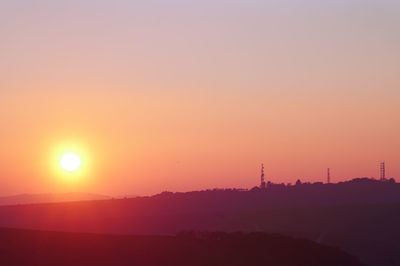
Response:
column 329, row 176
column 262, row 186
column 383, row 171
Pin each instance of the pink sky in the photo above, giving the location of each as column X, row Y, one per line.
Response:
column 185, row 96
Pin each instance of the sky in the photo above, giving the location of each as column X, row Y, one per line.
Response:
column 189, row 95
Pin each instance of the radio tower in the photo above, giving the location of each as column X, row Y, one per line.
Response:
column 383, row 171
column 262, row 186
column 328, row 176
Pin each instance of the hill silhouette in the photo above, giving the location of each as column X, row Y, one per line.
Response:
column 22, row 247
column 360, row 216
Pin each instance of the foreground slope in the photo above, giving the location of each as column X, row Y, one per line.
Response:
column 24, row 247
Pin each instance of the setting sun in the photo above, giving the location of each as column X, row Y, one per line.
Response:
column 70, row 162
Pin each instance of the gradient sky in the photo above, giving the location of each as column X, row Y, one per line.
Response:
column 187, row 95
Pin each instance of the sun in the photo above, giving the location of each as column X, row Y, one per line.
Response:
column 70, row 162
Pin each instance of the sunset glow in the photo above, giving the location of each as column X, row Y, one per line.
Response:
column 212, row 132
column 194, row 95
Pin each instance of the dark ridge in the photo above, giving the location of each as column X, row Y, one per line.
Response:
column 24, row 247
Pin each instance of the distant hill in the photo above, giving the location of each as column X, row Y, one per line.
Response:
column 23, row 247
column 42, row 198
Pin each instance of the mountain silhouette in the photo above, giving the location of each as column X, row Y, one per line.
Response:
column 49, row 197
column 360, row 216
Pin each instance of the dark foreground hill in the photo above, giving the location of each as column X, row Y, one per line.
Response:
column 24, row 247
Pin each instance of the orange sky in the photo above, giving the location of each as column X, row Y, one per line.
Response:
column 194, row 96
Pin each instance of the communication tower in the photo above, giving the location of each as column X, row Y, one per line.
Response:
column 262, row 186
column 383, row 171
column 328, row 176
